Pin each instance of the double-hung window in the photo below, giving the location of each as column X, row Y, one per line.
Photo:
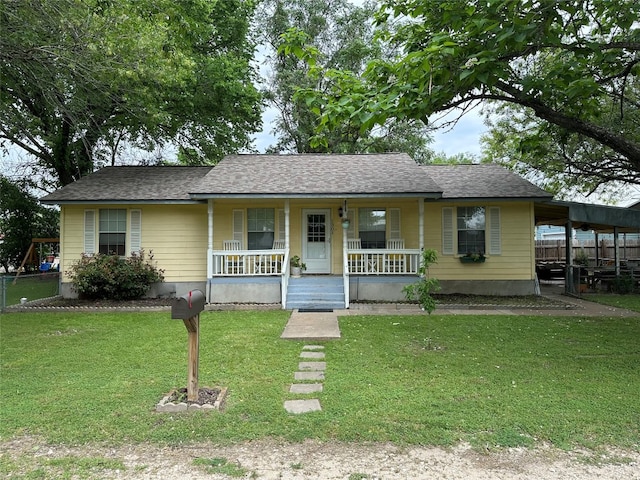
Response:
column 372, row 227
column 471, row 230
column 261, row 225
column 112, row 231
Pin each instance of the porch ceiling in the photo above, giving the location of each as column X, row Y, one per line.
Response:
column 600, row 218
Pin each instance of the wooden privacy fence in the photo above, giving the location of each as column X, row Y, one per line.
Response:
column 555, row 250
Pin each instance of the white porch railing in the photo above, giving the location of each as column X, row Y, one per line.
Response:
column 248, row 263
column 382, row 261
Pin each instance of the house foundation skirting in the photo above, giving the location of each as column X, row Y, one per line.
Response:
column 244, row 290
column 389, row 289
column 489, row 287
column 157, row 290
column 374, row 288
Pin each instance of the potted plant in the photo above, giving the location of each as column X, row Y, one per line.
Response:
column 297, row 266
column 473, row 258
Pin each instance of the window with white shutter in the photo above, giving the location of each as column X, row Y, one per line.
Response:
column 447, row 231
column 281, row 224
column 495, row 243
column 135, row 234
column 394, row 223
column 238, row 226
column 89, row 232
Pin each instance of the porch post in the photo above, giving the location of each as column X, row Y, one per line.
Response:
column 421, row 223
column 287, row 223
column 616, row 250
column 209, row 246
column 569, row 286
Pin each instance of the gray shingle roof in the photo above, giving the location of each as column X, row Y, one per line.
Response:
column 309, row 175
column 131, row 184
column 317, row 175
column 482, row 181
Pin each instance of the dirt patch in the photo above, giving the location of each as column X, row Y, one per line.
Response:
column 270, row 460
column 207, row 399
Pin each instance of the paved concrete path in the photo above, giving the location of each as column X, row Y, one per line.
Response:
column 313, row 325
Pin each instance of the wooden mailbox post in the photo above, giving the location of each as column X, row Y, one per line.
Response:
column 187, row 308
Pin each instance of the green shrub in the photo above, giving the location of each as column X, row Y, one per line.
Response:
column 423, row 288
column 112, row 277
column 623, row 284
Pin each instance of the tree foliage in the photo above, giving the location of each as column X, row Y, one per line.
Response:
column 573, row 65
column 80, row 78
column 342, row 36
column 422, row 289
column 21, row 219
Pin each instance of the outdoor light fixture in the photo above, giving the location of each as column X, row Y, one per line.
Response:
column 342, row 212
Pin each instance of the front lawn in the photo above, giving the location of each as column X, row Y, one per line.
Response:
column 630, row 301
column 489, row 380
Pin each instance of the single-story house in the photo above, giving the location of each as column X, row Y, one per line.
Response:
column 359, row 221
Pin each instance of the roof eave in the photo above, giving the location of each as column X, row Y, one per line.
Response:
column 495, row 199
column 335, row 195
column 121, row 202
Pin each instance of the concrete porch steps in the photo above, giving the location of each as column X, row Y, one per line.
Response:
column 315, row 292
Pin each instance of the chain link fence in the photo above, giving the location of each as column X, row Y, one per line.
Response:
column 27, row 288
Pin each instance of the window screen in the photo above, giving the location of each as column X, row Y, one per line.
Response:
column 260, row 228
column 112, row 231
column 372, row 227
column 471, row 230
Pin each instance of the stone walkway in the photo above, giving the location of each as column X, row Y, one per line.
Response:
column 309, row 378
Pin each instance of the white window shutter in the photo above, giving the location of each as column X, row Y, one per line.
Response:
column 447, row 231
column 89, row 232
column 238, row 226
column 135, row 235
column 281, row 226
column 351, row 230
column 495, row 244
column 394, row 223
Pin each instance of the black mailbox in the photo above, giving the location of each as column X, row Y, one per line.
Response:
column 188, row 305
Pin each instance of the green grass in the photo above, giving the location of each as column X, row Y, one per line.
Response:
column 630, row 302
column 62, row 468
column 220, row 466
column 31, row 287
column 491, row 380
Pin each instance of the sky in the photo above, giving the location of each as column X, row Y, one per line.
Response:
column 464, row 137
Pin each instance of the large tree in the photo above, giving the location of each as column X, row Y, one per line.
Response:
column 342, row 35
column 81, row 78
column 572, row 64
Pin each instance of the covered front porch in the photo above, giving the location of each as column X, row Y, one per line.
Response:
column 237, row 274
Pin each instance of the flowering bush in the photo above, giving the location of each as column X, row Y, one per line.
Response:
column 113, row 277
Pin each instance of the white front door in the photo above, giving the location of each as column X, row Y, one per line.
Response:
column 316, row 240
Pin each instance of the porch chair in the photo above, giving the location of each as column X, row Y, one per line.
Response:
column 234, row 264
column 356, row 264
column 395, row 261
column 276, row 263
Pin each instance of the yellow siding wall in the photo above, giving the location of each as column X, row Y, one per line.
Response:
column 517, row 260
column 176, row 234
